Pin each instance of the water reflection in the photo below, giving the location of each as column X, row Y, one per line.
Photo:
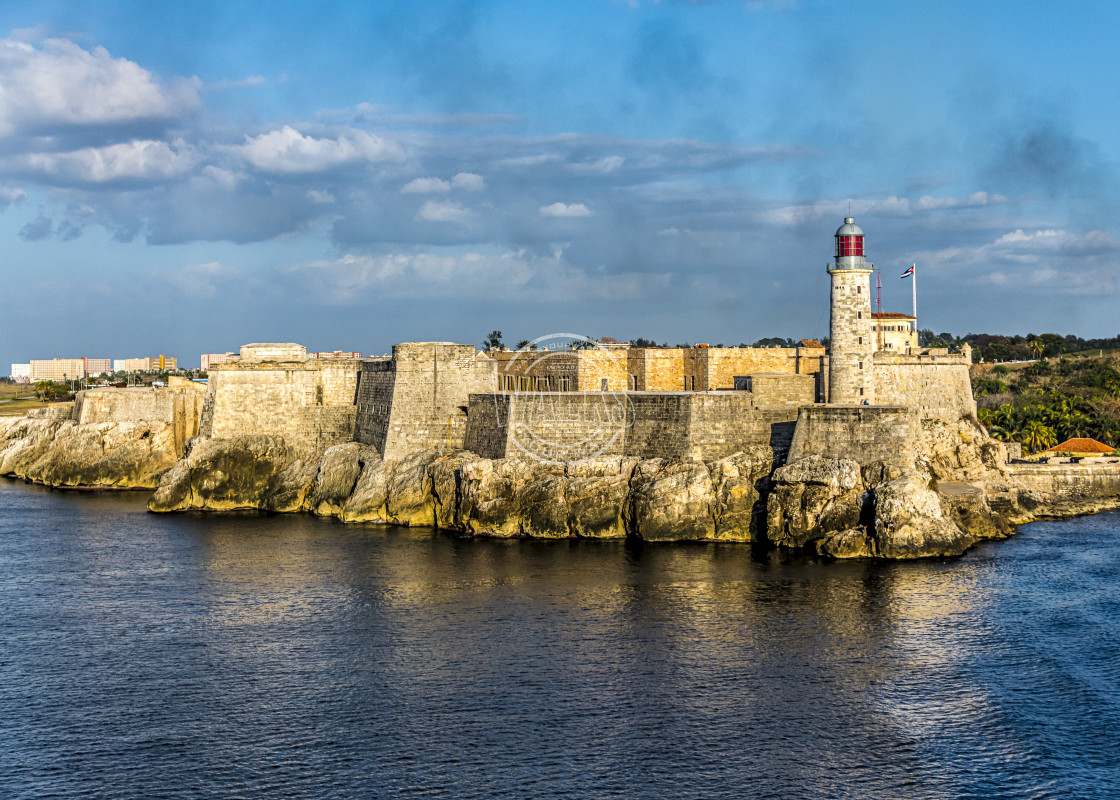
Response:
column 301, row 657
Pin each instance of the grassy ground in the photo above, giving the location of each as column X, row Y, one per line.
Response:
column 17, row 408
column 9, row 390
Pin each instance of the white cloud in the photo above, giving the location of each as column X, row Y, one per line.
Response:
column 135, row 160
column 433, row 211
column 197, row 280
column 468, row 181
column 888, row 206
column 426, row 186
column 289, row 151
column 413, row 274
column 245, row 83
column 565, row 210
column 602, row 166
column 226, row 179
column 63, row 85
column 522, row 274
column 10, row 195
column 1057, row 260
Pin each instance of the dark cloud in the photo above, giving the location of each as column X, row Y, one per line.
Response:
column 39, row 228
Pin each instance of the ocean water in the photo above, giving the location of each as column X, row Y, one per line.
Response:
column 193, row 656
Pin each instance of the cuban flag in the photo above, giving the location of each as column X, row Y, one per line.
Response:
column 908, row 272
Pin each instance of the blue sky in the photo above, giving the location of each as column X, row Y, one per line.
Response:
column 187, row 178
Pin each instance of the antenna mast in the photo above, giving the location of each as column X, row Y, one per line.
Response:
column 879, row 308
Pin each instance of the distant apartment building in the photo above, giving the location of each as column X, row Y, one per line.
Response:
column 210, row 359
column 57, row 369
column 153, row 364
column 335, row 354
column 21, row 373
column 97, row 366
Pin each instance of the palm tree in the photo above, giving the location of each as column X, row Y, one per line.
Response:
column 1006, row 415
column 1036, row 346
column 1037, row 436
column 1077, row 425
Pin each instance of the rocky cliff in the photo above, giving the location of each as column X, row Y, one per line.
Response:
column 605, row 497
column 833, row 506
column 60, row 452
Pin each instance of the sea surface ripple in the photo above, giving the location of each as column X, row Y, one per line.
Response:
column 193, row 656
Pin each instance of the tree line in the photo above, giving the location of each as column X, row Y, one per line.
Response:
column 1048, row 402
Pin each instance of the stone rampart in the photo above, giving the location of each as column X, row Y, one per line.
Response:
column 776, row 389
column 180, row 407
column 309, row 403
column 418, row 400
column 862, row 433
column 937, row 385
column 568, row 426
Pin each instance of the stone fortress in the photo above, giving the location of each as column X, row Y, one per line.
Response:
column 563, row 405
column 869, row 449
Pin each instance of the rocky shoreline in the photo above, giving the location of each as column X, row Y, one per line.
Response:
column 938, row 504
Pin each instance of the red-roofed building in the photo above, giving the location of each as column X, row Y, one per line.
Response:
column 1082, row 447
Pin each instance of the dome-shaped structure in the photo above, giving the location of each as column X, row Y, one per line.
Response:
column 849, row 228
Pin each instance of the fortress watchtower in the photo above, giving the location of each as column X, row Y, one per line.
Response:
column 850, row 374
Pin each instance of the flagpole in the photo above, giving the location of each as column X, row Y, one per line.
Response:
column 914, row 292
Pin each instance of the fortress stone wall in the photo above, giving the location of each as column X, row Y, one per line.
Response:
column 561, row 370
column 308, row 402
column 936, row 384
column 653, row 369
column 419, row 399
column 180, row 407
column 568, row 426
column 862, row 433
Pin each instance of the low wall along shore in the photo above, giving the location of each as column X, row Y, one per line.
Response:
column 1069, row 482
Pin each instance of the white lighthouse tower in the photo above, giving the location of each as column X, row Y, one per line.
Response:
column 850, row 374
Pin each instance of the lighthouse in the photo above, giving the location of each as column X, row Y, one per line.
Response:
column 850, row 374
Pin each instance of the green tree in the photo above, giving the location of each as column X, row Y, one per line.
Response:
column 1038, row 436
column 493, row 339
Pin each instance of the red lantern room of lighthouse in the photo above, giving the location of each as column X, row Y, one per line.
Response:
column 849, row 241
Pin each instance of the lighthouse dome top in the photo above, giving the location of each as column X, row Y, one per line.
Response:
column 849, row 228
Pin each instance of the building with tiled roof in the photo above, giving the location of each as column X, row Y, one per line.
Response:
column 1082, row 447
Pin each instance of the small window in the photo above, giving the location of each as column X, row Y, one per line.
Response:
column 859, row 290
column 861, row 365
column 860, row 340
column 861, row 391
column 859, row 315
